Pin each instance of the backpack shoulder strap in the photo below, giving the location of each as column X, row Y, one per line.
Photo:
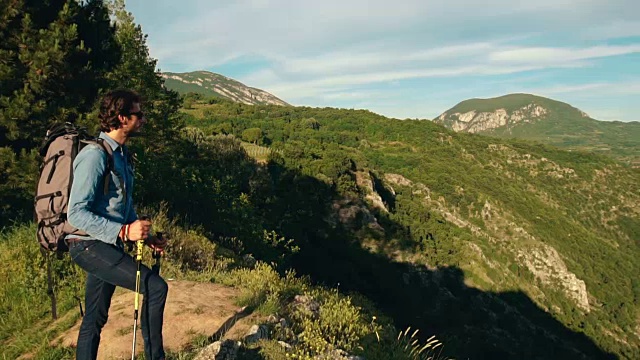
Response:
column 110, row 166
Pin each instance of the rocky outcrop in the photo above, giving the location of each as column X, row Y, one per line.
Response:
column 504, row 232
column 364, row 179
column 256, row 333
column 546, row 265
column 398, row 179
column 219, row 350
column 473, row 121
column 226, row 87
column 353, row 215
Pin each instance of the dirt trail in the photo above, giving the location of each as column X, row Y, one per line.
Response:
column 192, row 309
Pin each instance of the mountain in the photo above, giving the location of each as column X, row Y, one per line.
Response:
column 545, row 120
column 212, row 84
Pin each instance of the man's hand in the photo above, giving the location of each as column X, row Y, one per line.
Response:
column 139, row 230
column 157, row 243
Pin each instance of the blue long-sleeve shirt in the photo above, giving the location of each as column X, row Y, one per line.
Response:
column 90, row 210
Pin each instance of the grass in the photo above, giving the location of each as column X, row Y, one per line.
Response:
column 26, row 324
column 259, row 153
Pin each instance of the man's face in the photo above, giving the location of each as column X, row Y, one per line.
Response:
column 135, row 120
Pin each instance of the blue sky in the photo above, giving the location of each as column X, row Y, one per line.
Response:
column 408, row 58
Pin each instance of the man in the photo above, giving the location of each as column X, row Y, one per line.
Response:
column 110, row 220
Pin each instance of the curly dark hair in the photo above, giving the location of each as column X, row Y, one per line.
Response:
column 114, row 103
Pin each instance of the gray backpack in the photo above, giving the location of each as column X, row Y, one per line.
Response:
column 60, row 146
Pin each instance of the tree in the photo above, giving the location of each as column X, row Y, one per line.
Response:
column 310, row 123
column 187, row 103
column 252, row 135
column 53, row 57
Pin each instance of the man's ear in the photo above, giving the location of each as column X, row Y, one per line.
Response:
column 123, row 119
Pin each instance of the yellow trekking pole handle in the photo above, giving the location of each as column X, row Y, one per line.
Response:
column 139, row 248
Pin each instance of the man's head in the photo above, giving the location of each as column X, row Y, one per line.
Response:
column 120, row 109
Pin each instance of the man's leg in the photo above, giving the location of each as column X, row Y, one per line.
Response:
column 111, row 265
column 151, row 320
column 97, row 300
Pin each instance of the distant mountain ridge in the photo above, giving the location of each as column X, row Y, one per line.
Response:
column 478, row 115
column 537, row 118
column 212, row 84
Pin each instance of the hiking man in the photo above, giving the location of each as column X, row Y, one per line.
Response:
column 109, row 219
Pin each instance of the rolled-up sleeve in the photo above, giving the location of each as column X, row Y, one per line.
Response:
column 88, row 182
column 133, row 216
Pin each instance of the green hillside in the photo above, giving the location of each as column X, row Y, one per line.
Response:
column 562, row 125
column 498, row 223
column 620, row 140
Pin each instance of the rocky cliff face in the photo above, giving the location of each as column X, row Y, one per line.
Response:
column 210, row 83
column 473, row 121
column 504, row 233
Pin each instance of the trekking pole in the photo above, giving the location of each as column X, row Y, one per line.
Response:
column 139, row 247
column 157, row 254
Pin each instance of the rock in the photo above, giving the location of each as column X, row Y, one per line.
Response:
column 398, row 179
column 354, row 215
column 255, row 333
column 283, row 323
column 547, row 265
column 284, row 345
column 474, row 122
column 219, row 350
column 364, row 179
column 307, row 304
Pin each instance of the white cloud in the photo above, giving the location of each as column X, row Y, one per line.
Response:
column 613, row 30
column 549, row 55
column 336, row 50
column 295, row 78
column 593, row 89
column 352, row 60
column 272, row 28
column 295, row 90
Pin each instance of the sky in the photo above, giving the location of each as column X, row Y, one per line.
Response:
column 407, row 58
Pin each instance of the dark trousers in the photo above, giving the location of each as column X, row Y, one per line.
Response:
column 107, row 266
